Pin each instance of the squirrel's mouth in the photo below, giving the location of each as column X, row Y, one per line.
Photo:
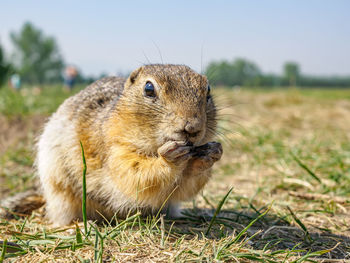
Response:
column 187, row 142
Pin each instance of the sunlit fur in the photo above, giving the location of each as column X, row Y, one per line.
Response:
column 121, row 131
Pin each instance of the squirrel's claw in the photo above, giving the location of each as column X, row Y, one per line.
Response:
column 175, row 151
column 206, row 155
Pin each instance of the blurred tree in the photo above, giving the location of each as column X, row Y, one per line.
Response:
column 102, row 75
column 4, row 68
column 246, row 72
column 37, row 56
column 237, row 72
column 220, row 73
column 291, row 73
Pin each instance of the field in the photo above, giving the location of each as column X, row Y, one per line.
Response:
column 286, row 158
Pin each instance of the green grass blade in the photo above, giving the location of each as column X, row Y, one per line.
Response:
column 314, row 254
column 217, row 211
column 3, row 252
column 11, row 247
column 84, row 190
column 78, row 236
column 236, row 239
column 307, row 169
column 99, row 239
column 124, row 222
column 96, row 248
column 298, row 221
column 23, row 225
column 250, row 224
column 165, row 202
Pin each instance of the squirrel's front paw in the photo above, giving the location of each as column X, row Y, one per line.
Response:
column 206, row 155
column 175, row 152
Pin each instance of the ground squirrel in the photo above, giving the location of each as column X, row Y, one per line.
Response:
column 146, row 141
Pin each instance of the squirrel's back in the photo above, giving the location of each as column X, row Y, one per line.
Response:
column 93, row 98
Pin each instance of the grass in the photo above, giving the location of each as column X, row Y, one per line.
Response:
column 32, row 100
column 83, row 205
column 286, row 158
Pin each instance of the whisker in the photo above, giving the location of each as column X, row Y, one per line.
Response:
column 144, row 54
column 231, row 119
column 202, row 59
column 160, row 54
column 221, row 136
column 211, row 74
column 228, row 131
column 228, row 102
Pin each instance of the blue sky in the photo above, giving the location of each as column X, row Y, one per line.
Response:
column 114, row 36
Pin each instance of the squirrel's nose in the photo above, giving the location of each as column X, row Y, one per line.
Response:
column 192, row 128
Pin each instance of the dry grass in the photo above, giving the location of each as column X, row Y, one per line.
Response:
column 286, row 153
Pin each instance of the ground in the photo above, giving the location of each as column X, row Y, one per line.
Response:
column 286, row 158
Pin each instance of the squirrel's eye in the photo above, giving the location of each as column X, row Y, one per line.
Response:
column 208, row 93
column 149, row 90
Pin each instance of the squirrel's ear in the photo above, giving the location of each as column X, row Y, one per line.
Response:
column 133, row 76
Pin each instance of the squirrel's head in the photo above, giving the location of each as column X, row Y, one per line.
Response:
column 166, row 102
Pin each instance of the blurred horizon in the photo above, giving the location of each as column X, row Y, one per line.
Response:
column 118, row 37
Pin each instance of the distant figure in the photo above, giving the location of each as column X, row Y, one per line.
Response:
column 15, row 81
column 70, row 75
